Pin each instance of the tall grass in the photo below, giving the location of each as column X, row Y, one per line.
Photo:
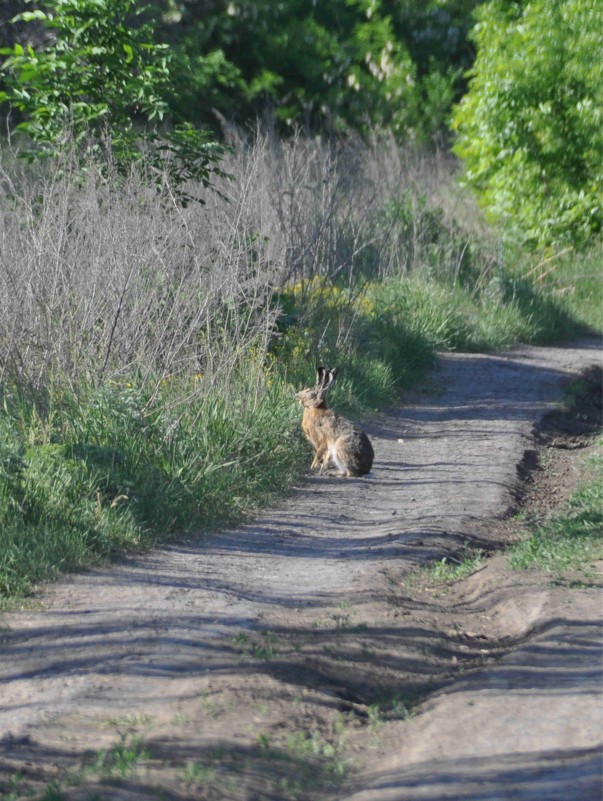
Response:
column 577, row 279
column 149, row 351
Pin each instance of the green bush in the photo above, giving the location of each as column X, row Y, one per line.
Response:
column 98, row 83
column 97, row 72
column 530, row 129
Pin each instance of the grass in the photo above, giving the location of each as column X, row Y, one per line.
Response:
column 301, row 762
column 394, row 327
column 577, row 279
column 259, row 645
column 106, row 766
column 572, row 538
column 317, row 760
column 448, row 569
column 121, row 759
column 195, row 773
column 111, row 469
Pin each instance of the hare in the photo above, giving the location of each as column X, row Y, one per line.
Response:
column 335, row 439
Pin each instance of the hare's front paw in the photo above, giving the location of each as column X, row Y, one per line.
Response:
column 325, row 463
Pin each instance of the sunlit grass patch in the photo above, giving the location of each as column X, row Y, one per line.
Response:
column 449, row 569
column 575, row 278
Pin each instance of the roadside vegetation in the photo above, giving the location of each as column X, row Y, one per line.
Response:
column 570, row 540
column 163, row 293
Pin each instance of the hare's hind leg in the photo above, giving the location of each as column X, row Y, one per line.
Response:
column 336, row 456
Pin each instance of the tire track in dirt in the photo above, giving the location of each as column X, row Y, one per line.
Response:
column 166, row 636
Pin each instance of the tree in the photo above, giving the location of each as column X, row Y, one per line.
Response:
column 333, row 64
column 100, row 78
column 99, row 72
column 436, row 34
column 530, row 129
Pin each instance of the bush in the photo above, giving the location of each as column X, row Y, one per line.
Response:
column 530, row 129
column 98, row 81
column 96, row 72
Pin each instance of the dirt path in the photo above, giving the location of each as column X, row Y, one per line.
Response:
column 279, row 660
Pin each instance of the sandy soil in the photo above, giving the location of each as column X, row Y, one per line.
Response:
column 298, row 656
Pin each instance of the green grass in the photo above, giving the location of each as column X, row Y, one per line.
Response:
column 197, row 773
column 111, row 469
column 449, row 569
column 106, row 766
column 122, row 758
column 393, row 328
column 573, row 537
column 443, row 315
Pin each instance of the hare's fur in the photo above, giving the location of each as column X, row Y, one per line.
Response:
column 335, row 439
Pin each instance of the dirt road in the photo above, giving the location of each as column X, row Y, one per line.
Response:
column 280, row 660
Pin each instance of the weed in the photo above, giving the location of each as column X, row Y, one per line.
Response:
column 342, row 621
column 307, row 760
column 120, row 760
column 304, row 746
column 14, row 792
column 52, row 793
column 130, row 722
column 376, row 718
column 212, row 709
column 449, row 569
column 401, row 707
column 263, row 645
column 264, row 741
column 196, row 773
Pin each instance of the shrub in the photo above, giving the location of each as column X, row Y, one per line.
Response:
column 530, row 129
column 98, row 81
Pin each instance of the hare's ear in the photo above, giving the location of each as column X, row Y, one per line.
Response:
column 330, row 377
column 320, row 376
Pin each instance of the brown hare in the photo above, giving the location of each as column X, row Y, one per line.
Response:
column 335, row 439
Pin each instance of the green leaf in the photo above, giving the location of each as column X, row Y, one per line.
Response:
column 29, row 16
